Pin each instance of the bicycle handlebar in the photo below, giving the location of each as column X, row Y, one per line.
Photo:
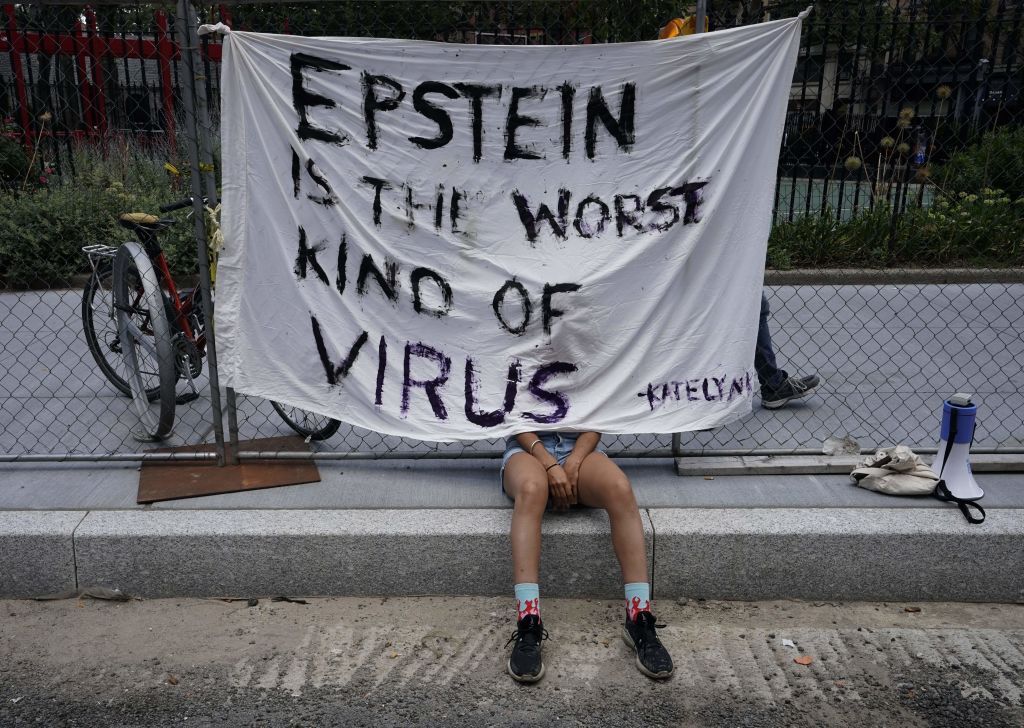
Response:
column 179, row 205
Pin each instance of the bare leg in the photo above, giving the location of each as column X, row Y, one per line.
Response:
column 527, row 484
column 602, row 484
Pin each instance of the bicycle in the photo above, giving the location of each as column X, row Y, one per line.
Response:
column 146, row 335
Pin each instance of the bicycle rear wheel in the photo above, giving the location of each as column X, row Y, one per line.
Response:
column 308, row 424
column 99, row 325
column 145, row 337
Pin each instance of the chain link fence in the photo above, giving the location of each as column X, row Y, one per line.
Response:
column 894, row 268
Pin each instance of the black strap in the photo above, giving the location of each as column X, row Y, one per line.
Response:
column 942, row 491
column 964, row 504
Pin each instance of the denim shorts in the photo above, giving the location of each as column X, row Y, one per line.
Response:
column 559, row 444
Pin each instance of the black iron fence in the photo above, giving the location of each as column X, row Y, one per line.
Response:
column 894, row 265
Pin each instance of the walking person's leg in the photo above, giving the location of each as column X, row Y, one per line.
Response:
column 768, row 372
column 602, row 484
column 778, row 388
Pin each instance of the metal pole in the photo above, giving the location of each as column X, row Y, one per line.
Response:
column 186, row 22
column 206, row 134
column 702, row 12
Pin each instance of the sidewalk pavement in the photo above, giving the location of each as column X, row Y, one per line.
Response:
column 441, row 528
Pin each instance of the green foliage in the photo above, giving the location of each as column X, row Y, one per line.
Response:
column 968, row 230
column 13, row 163
column 42, row 231
column 823, row 241
column 996, row 161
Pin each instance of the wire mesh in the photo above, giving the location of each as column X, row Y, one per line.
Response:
column 902, row 159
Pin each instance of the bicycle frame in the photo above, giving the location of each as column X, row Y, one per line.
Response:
column 183, row 308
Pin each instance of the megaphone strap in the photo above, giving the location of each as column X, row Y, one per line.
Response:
column 943, row 493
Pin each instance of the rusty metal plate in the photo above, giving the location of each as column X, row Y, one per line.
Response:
column 160, row 481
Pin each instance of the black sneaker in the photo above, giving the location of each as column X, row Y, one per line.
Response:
column 525, row 663
column 651, row 656
column 792, row 388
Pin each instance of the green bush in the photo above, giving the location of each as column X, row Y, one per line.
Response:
column 981, row 229
column 996, row 161
column 42, row 230
column 13, row 164
column 823, row 241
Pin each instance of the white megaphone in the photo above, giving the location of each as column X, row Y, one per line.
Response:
column 952, row 461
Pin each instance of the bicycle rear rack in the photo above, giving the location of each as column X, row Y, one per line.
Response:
column 96, row 253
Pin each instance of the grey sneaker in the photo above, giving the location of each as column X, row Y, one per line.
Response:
column 792, row 388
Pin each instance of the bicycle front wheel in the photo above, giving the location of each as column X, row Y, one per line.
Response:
column 310, row 425
column 144, row 333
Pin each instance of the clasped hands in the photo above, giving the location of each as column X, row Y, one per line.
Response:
column 563, row 483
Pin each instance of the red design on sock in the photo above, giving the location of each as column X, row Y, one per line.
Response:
column 531, row 606
column 636, row 606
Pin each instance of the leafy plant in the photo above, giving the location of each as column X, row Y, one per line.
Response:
column 42, row 230
column 13, row 163
column 981, row 229
column 996, row 161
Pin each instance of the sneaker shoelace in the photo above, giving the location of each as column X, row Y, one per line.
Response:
column 532, row 632
column 797, row 385
column 648, row 636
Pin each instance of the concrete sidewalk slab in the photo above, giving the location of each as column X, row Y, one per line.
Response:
column 438, row 484
column 839, row 554
column 36, row 552
column 345, row 553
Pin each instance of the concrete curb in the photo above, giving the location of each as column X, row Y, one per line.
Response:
column 733, row 553
column 37, row 552
column 839, row 554
column 334, row 552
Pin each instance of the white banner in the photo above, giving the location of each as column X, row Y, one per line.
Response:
column 455, row 242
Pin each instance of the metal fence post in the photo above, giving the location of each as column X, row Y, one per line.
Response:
column 206, row 136
column 188, row 42
column 702, row 13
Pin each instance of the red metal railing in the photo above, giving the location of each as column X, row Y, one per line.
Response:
column 88, row 49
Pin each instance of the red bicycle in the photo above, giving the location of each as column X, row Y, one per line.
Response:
column 147, row 335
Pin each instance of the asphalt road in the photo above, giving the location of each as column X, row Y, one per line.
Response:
column 440, row 662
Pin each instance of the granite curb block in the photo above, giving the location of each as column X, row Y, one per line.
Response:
column 732, row 553
column 830, row 554
column 37, row 553
column 333, row 552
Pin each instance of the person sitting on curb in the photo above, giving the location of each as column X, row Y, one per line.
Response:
column 561, row 470
column 778, row 388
